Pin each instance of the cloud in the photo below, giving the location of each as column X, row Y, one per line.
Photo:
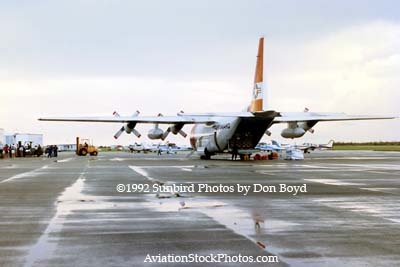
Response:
column 354, row 70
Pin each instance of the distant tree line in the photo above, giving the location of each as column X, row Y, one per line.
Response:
column 375, row 143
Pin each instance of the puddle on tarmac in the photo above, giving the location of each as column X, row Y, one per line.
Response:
column 251, row 226
column 72, row 200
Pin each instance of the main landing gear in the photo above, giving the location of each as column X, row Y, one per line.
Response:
column 206, row 155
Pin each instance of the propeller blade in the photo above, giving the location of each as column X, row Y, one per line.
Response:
column 165, row 134
column 120, row 131
column 182, row 133
column 135, row 132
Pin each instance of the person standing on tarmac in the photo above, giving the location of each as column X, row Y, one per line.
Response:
column 5, row 149
column 55, row 151
column 39, row 151
column 12, row 151
column 235, row 152
column 50, row 152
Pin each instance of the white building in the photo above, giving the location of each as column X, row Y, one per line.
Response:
column 2, row 139
column 24, row 138
column 66, row 147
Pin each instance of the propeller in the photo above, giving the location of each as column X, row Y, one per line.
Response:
column 170, row 129
column 175, row 129
column 129, row 127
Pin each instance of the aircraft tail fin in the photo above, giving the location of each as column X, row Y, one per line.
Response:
column 258, row 90
column 330, row 144
column 275, row 143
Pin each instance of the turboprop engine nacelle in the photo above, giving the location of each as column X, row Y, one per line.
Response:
column 298, row 129
column 293, row 132
column 155, row 133
column 129, row 127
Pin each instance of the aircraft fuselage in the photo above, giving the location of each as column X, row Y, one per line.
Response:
column 242, row 133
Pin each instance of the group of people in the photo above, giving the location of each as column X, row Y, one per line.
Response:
column 19, row 150
column 52, row 151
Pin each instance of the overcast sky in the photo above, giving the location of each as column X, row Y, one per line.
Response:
column 81, row 58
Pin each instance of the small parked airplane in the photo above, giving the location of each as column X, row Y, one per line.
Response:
column 168, row 148
column 312, row 147
column 221, row 132
column 141, row 147
column 305, row 147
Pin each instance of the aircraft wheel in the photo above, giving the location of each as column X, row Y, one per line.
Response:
column 206, row 155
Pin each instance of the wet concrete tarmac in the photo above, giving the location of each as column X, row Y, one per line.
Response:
column 68, row 212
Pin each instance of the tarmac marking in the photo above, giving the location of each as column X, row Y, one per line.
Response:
column 380, row 172
column 311, row 166
column 380, row 189
column 25, row 174
column 118, row 159
column 332, row 182
column 165, row 166
column 355, row 158
column 371, row 166
column 65, row 160
column 45, row 246
column 376, row 208
column 143, row 173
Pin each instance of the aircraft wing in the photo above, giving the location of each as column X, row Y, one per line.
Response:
column 137, row 119
column 314, row 116
column 180, row 118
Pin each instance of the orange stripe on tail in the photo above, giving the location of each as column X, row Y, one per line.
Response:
column 258, row 90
